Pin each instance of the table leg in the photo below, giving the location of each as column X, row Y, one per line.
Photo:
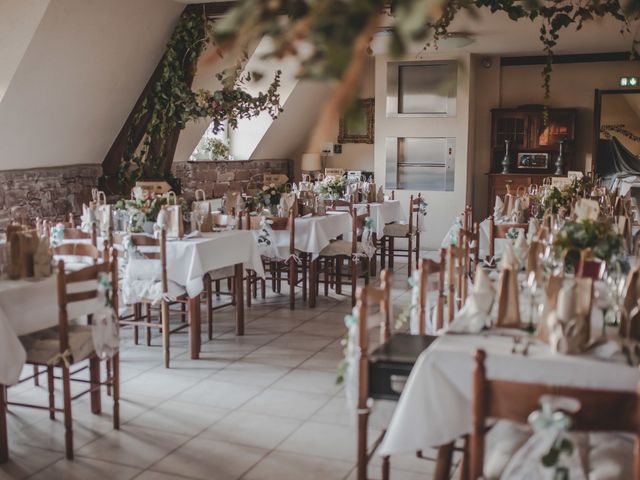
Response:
column 238, row 273
column 313, row 277
column 4, row 442
column 194, row 328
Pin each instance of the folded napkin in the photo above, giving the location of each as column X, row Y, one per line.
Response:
column 498, row 208
column 287, row 202
column 509, row 258
column 510, row 203
column 508, row 301
column 521, row 248
column 380, row 195
column 87, row 219
column 534, row 225
column 161, row 223
column 518, row 211
column 475, row 315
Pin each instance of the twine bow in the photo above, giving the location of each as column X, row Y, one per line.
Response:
column 61, row 357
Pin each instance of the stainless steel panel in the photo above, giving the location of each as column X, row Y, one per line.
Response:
column 431, row 151
column 421, row 88
column 421, row 178
column 391, row 167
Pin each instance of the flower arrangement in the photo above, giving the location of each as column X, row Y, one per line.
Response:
column 557, row 199
column 270, row 194
column 217, row 149
column 146, row 209
column 600, row 237
column 333, row 187
column 513, row 233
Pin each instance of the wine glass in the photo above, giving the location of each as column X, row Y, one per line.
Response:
column 603, row 301
column 531, row 287
column 198, row 219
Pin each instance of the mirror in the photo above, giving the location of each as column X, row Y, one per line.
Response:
column 617, row 136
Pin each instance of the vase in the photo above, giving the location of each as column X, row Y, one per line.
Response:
column 147, row 227
column 506, row 160
column 273, row 209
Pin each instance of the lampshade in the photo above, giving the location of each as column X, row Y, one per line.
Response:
column 311, row 162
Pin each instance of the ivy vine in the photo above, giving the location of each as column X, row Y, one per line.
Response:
column 171, row 103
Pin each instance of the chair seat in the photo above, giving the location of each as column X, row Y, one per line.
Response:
column 392, row 362
column 43, row 347
column 605, row 455
column 398, row 230
column 340, row 248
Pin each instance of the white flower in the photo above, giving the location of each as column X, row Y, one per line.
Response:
column 265, row 188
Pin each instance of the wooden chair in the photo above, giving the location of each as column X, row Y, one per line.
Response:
column 457, row 279
column 379, row 369
column 590, row 266
column 600, row 410
column 332, row 257
column 51, row 348
column 428, row 268
column 154, row 249
column 408, row 231
column 276, row 266
column 470, row 243
column 72, row 233
column 83, row 252
column 500, row 230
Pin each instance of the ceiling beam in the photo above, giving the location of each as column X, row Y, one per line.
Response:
column 574, row 58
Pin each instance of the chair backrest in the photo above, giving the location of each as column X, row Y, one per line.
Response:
column 151, row 249
column 90, row 273
column 414, row 211
column 83, row 250
column 341, row 204
column 427, row 269
column 467, row 218
column 456, row 278
column 470, row 242
column 500, row 230
column 277, row 224
column 368, row 296
column 600, row 410
column 71, row 233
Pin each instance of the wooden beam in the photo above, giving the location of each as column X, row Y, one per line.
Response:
column 557, row 59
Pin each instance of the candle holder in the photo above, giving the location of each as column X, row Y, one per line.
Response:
column 506, row 161
column 560, row 161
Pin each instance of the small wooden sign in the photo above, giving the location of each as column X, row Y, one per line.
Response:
column 333, row 172
column 560, row 182
column 574, row 175
column 156, row 187
column 276, row 179
column 586, row 209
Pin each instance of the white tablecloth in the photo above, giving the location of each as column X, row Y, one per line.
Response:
column 27, row 306
column 189, row 259
column 312, row 233
column 435, row 406
column 383, row 213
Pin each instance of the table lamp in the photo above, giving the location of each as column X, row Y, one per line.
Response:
column 311, row 163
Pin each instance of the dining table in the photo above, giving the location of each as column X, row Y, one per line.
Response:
column 382, row 213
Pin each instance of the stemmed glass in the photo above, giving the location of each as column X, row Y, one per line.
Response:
column 603, row 301
column 530, row 285
column 198, row 218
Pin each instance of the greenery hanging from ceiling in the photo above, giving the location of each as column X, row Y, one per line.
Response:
column 327, row 35
column 171, row 103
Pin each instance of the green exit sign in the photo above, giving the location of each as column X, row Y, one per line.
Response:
column 628, row 81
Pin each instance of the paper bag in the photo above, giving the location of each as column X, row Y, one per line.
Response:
column 173, row 221
column 22, row 247
column 550, row 300
column 508, row 305
column 232, row 203
column 203, row 205
column 586, row 209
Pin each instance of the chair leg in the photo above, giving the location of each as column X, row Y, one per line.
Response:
column 115, row 380
column 409, row 254
column 248, row 288
column 443, row 462
column 207, row 301
column 392, row 252
column 255, row 284
column 94, row 375
column 383, row 253
column 465, row 462
column 68, row 421
column 165, row 332
column 147, row 330
column 417, row 249
column 363, row 421
column 263, row 288
column 313, row 280
column 293, row 280
column 4, row 441
column 136, row 318
column 328, row 263
column 353, row 266
column 52, row 397
column 385, row 468
column 367, row 271
column 108, row 368
column 338, row 274
column 36, row 376
column 303, row 257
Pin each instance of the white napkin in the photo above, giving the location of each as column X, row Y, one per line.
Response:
column 509, row 258
column 161, row 223
column 498, row 208
column 517, row 213
column 474, row 316
column 287, row 202
column 87, row 219
column 521, row 248
column 193, row 234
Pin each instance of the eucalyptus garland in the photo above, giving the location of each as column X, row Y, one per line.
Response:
column 608, row 131
column 171, row 103
column 331, row 27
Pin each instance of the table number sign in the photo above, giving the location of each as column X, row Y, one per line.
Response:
column 276, row 179
column 560, row 182
column 587, row 209
column 574, row 175
column 333, row 172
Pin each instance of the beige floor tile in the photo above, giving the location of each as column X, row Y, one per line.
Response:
column 301, row 341
column 180, row 417
column 274, row 355
column 219, row 394
column 86, row 469
column 249, row 373
column 290, row 466
column 252, row 429
column 133, row 446
column 209, row 459
column 286, row 403
column 161, row 384
column 151, row 475
column 310, row 381
column 331, row 330
column 24, row 460
column 327, row 360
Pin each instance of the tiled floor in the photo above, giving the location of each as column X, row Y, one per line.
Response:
column 259, row 407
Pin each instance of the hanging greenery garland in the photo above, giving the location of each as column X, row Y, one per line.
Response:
column 171, row 103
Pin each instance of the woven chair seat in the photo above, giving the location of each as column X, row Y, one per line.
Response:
column 43, row 347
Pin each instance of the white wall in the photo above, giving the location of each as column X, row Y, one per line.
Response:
column 79, row 78
column 18, row 22
column 443, row 206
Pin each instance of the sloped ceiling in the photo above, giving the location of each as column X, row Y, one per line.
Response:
column 82, row 71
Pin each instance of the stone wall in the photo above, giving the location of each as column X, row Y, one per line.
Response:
column 46, row 192
column 216, row 177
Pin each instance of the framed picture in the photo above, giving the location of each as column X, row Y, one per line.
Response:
column 533, row 160
column 356, row 126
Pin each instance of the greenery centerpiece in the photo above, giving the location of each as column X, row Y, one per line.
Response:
column 269, row 195
column 599, row 236
column 333, row 188
column 143, row 211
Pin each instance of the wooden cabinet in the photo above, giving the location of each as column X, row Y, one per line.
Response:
column 533, row 146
